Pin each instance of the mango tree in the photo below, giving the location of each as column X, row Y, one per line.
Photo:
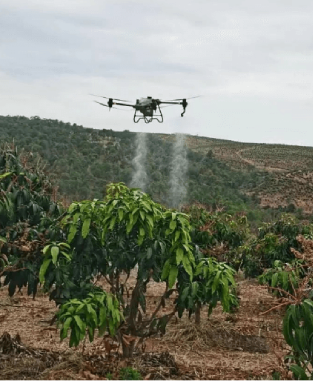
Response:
column 111, row 238
column 26, row 215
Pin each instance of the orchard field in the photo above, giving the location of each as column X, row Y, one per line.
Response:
column 125, row 288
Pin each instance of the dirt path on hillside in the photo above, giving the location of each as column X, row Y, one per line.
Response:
column 253, row 163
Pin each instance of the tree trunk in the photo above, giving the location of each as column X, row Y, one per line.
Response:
column 128, row 350
column 198, row 314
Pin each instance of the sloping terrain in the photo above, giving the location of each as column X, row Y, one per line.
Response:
column 238, row 176
column 83, row 160
column 286, row 171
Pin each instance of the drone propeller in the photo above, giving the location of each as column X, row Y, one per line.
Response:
column 181, row 99
column 116, row 99
column 102, row 104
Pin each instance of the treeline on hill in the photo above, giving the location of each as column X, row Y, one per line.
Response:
column 82, row 161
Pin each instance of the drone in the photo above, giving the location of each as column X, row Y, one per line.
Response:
column 149, row 107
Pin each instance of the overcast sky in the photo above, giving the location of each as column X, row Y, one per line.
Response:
column 253, row 61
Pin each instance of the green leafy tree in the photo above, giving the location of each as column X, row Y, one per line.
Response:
column 213, row 282
column 218, row 234
column 275, row 241
column 26, row 215
column 283, row 277
column 298, row 333
column 111, row 238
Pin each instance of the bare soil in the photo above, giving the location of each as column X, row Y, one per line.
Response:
column 243, row 345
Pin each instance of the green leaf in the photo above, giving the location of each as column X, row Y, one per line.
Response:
column 5, row 175
column 172, row 276
column 194, row 289
column 72, row 233
column 298, row 372
column 77, row 336
column 216, row 281
column 150, row 220
column 86, row 227
column 147, row 205
column 111, row 327
column 285, row 280
column 91, row 332
column 142, row 215
column 102, row 316
column 54, row 254
column 80, row 307
column 76, row 217
column 129, row 227
column 66, row 325
column 179, row 255
column 173, row 225
column 225, row 295
column 46, row 248
column 43, row 270
column 65, row 245
column 120, row 214
column 166, row 270
column 92, row 313
column 287, row 325
column 185, row 293
column 149, row 253
column 109, row 302
column 66, row 255
column 72, row 207
column 162, row 246
column 177, row 234
column 140, row 240
column 274, row 279
column 79, row 322
column 112, row 223
column 187, row 266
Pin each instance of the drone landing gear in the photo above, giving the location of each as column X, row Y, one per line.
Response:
column 149, row 119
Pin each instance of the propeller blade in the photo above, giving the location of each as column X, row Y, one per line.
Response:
column 102, row 104
column 100, row 96
column 181, row 99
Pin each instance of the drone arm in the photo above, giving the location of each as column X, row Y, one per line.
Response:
column 171, row 103
column 123, row 104
column 183, row 103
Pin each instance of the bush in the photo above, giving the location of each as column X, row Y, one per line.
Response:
column 283, row 276
column 130, row 374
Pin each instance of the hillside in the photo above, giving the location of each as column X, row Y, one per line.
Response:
column 238, row 176
column 287, row 170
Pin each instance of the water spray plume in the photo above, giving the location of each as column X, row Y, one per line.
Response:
column 178, row 175
column 139, row 179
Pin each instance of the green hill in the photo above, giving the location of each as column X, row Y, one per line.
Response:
column 82, row 161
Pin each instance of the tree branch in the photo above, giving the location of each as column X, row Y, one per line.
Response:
column 160, row 304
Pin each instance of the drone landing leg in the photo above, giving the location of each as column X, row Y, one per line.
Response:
column 135, row 115
column 161, row 115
